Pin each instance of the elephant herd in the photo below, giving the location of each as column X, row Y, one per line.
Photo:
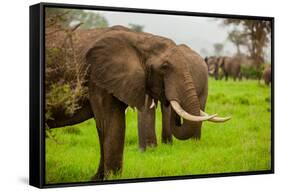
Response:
column 223, row 67
column 139, row 70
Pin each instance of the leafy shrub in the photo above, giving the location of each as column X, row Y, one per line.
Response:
column 250, row 72
column 65, row 75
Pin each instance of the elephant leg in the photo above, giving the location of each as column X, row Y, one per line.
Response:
column 240, row 76
column 216, row 75
column 110, row 118
column 100, row 173
column 166, row 128
column 114, row 139
column 146, row 127
column 267, row 82
column 226, row 77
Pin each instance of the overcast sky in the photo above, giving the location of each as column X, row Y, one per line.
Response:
column 197, row 32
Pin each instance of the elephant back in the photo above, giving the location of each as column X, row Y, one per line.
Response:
column 66, row 68
column 232, row 65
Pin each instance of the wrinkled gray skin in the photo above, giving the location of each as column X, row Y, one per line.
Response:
column 230, row 66
column 124, row 67
column 146, row 127
column 146, row 118
column 266, row 76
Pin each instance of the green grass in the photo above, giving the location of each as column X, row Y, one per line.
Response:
column 241, row 144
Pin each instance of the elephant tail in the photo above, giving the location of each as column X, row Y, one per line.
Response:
column 79, row 116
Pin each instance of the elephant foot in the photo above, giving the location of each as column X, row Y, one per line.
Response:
column 152, row 145
column 98, row 177
column 148, row 145
column 167, row 140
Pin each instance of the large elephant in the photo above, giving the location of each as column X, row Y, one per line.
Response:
column 124, row 67
column 146, row 118
column 230, row 66
column 266, row 75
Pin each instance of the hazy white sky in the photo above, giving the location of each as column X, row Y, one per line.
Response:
column 197, row 32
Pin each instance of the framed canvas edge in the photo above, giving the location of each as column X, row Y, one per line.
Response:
column 37, row 89
column 35, row 96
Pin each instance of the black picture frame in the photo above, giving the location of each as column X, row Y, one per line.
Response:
column 37, row 93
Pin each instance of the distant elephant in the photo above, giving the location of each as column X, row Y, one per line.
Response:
column 248, row 68
column 230, row 66
column 124, row 67
column 213, row 66
column 266, row 75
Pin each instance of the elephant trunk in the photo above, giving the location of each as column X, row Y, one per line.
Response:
column 188, row 102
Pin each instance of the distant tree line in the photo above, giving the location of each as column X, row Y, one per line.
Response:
column 254, row 35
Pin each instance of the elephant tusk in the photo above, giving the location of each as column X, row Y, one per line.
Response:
column 181, row 112
column 152, row 104
column 215, row 119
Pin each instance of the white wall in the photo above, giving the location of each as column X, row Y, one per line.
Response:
column 14, row 86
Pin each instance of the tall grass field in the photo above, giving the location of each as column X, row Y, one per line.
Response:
column 239, row 145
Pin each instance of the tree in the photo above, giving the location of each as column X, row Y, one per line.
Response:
column 65, row 75
column 67, row 18
column 136, row 27
column 218, row 48
column 258, row 32
column 238, row 38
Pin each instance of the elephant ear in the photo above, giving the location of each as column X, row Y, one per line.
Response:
column 116, row 67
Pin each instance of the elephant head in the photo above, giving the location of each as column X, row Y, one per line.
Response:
column 214, row 63
column 130, row 65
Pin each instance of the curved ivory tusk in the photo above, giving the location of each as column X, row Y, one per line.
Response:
column 152, row 104
column 215, row 119
column 181, row 112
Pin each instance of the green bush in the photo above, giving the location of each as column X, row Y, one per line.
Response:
column 250, row 72
column 65, row 76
